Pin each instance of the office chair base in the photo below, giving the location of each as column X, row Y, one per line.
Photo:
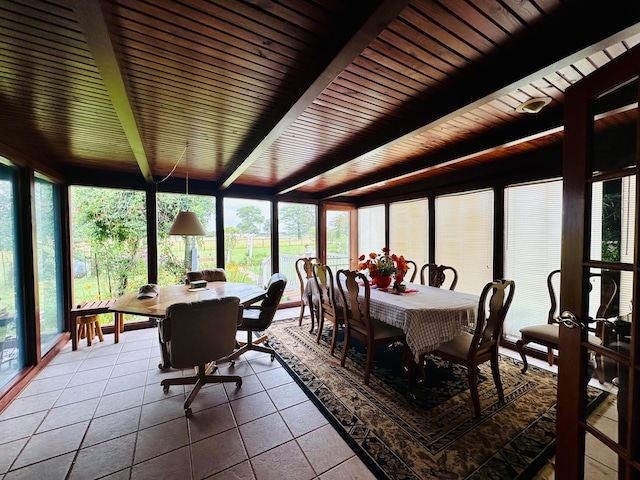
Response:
column 198, row 381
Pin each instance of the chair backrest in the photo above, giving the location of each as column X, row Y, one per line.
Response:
column 607, row 288
column 435, row 275
column 208, row 274
column 412, row 270
column 493, row 306
column 356, row 311
column 197, row 333
column 304, row 270
column 271, row 300
column 323, row 277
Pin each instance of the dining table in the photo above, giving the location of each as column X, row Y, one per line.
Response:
column 429, row 316
column 156, row 307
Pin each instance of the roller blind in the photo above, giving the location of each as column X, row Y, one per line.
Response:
column 371, row 227
column 409, row 230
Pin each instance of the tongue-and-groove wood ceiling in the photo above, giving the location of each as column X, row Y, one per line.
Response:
column 325, row 99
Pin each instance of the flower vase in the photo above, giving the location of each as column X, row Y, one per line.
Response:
column 382, row 281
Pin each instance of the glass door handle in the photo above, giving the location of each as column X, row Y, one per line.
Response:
column 569, row 320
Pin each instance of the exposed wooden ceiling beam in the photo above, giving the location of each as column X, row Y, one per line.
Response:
column 386, row 12
column 95, row 31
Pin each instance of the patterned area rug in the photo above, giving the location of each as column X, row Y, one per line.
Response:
column 434, row 434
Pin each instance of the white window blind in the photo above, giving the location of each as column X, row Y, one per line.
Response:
column 409, row 231
column 533, row 231
column 464, row 237
column 371, row 227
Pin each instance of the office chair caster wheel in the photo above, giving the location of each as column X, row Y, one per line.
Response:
column 239, row 384
column 232, row 363
column 273, row 357
column 188, row 412
column 165, row 388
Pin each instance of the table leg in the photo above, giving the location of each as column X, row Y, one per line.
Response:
column 74, row 332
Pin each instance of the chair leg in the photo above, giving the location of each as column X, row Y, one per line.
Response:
column 369, row 364
column 473, row 388
column 99, row 331
column 302, row 305
column 520, row 344
column 345, row 346
column 550, row 357
column 320, row 326
column 334, row 338
column 251, row 345
column 495, row 371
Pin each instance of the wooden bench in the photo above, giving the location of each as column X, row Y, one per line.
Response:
column 94, row 308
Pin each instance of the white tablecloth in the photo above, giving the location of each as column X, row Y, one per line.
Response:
column 428, row 317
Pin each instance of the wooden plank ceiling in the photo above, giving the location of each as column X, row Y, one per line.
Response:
column 327, row 99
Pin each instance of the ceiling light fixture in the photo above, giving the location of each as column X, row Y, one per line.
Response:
column 533, row 105
column 186, row 223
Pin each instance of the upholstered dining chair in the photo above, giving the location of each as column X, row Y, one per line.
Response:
column 323, row 276
column 358, row 321
column 473, row 349
column 197, row 334
column 308, row 296
column 207, row 274
column 258, row 317
column 435, row 275
column 547, row 334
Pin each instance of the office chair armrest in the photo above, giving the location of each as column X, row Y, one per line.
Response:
column 240, row 312
column 164, row 329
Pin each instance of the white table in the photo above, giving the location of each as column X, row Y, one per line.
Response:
column 428, row 317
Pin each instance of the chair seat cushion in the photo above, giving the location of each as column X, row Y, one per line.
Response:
column 547, row 333
column 457, row 347
column 251, row 320
column 384, row 330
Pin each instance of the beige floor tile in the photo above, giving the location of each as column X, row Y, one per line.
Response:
column 210, row 422
column 169, row 466
column 264, row 433
column 52, row 469
column 104, row 458
column 324, row 448
column 217, row 453
column 352, row 469
column 303, row 418
column 254, row 406
column 285, row 462
column 161, row 439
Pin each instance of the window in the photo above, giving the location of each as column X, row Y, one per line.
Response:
column 297, row 238
column 178, row 254
column 409, row 231
column 247, row 240
column 49, row 261
column 12, row 344
column 464, row 237
column 533, row 231
column 109, row 242
column 371, row 229
column 338, row 238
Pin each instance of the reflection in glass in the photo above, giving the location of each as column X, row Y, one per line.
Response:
column 49, row 261
column 11, row 324
column 615, row 129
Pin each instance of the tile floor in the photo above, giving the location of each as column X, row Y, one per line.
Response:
column 100, row 412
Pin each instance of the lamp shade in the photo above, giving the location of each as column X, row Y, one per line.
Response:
column 186, row 223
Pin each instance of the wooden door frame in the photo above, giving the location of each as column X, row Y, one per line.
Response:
column 578, row 120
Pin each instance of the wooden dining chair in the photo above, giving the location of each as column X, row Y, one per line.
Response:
column 323, row 277
column 308, row 294
column 472, row 349
column 358, row 321
column 547, row 334
column 412, row 271
column 435, row 275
